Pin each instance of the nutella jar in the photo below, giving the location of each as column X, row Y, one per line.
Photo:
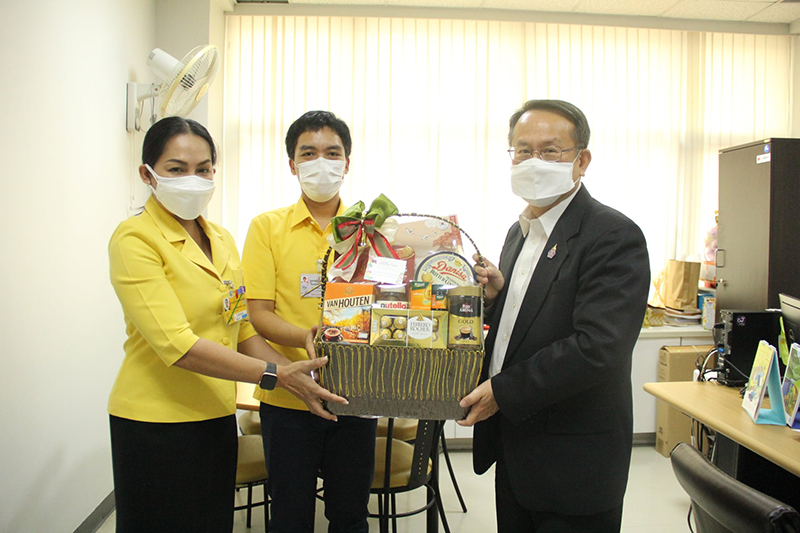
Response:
column 465, row 329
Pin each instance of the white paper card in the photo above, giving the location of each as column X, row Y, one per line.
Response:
column 385, row 270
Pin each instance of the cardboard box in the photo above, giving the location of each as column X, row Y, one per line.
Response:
column 346, row 312
column 409, row 327
column 676, row 363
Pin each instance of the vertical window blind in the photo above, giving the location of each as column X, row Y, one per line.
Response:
column 428, row 102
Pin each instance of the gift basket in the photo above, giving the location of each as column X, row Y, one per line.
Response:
column 403, row 334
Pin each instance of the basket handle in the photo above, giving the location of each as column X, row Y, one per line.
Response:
column 324, row 272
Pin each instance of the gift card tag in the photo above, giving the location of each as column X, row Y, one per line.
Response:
column 385, row 270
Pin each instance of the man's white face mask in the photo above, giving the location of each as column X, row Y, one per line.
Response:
column 541, row 183
column 321, row 178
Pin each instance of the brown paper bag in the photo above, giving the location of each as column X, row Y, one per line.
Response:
column 680, row 284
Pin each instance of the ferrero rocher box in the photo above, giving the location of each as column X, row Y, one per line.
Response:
column 409, row 327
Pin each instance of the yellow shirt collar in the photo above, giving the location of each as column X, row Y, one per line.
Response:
column 301, row 213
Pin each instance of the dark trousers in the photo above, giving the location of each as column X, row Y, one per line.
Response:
column 174, row 477
column 300, row 446
column 513, row 517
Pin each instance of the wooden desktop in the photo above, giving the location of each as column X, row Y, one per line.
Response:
column 763, row 456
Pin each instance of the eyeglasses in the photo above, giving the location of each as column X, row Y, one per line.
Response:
column 550, row 154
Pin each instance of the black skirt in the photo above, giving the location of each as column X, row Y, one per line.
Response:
column 174, row 476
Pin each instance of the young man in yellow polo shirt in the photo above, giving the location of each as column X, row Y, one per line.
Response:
column 282, row 261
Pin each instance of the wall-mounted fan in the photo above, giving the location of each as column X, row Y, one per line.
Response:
column 182, row 84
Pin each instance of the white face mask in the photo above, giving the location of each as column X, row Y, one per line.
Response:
column 184, row 196
column 321, row 178
column 541, row 183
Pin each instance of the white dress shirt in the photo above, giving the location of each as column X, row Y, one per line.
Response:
column 536, row 232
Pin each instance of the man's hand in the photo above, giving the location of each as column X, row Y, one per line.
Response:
column 488, row 276
column 296, row 378
column 482, row 403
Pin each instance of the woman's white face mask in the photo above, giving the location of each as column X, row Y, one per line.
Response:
column 184, row 196
column 541, row 183
column 321, row 178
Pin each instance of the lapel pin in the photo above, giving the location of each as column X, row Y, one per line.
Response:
column 552, row 253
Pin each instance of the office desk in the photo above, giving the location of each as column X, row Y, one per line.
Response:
column 743, row 449
column 720, row 408
column 244, row 396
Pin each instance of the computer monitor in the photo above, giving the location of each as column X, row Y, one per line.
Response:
column 790, row 310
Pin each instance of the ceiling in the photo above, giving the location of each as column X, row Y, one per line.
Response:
column 764, row 11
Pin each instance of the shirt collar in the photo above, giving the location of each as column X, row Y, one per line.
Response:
column 301, row 213
column 550, row 218
column 169, row 226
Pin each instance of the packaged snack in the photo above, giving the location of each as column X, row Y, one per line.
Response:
column 439, row 295
column 346, row 312
column 422, row 329
column 420, row 295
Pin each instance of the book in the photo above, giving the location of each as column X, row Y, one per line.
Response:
column 790, row 389
column 764, row 378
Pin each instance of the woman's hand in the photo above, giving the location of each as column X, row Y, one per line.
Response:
column 489, row 276
column 298, row 379
column 309, row 342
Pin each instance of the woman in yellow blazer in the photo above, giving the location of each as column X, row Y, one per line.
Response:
column 172, row 407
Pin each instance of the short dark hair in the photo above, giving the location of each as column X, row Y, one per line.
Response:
column 580, row 132
column 160, row 133
column 315, row 121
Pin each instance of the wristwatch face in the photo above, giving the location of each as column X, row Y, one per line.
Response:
column 269, row 378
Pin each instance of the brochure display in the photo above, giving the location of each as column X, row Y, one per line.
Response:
column 765, row 378
column 791, row 388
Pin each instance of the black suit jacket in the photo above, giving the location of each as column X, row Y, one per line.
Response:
column 565, row 422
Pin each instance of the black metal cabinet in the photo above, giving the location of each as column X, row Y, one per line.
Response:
column 758, row 232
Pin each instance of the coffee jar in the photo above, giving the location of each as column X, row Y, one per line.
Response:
column 465, row 329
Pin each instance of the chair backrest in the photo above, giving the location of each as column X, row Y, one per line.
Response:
column 425, row 445
column 722, row 504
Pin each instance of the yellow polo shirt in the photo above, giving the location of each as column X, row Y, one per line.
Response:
column 281, row 246
column 171, row 295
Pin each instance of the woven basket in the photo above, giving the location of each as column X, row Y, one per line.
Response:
column 399, row 381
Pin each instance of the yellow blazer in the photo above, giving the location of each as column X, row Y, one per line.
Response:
column 171, row 295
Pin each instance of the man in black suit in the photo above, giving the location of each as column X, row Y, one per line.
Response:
column 554, row 409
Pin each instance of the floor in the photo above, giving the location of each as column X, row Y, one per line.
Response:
column 654, row 502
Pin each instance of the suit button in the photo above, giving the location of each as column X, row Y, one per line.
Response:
column 226, row 341
column 223, row 288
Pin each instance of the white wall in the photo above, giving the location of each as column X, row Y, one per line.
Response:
column 66, row 164
column 68, row 167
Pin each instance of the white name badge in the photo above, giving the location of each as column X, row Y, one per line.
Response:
column 310, row 286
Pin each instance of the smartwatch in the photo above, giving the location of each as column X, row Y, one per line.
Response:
column 269, row 378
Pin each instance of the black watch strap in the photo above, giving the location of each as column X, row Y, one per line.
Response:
column 269, row 378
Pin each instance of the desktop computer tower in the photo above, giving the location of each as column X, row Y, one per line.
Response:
column 741, row 333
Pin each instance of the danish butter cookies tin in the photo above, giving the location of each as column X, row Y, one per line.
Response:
column 446, row 268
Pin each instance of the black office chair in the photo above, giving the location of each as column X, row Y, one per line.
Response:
column 401, row 467
column 405, row 429
column 721, row 504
